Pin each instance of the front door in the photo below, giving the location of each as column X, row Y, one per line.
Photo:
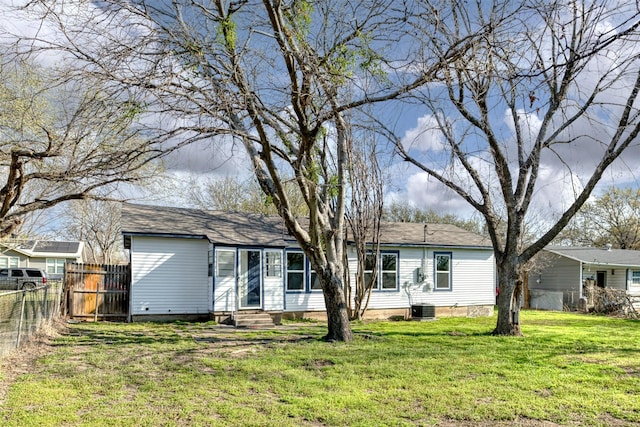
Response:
column 250, row 279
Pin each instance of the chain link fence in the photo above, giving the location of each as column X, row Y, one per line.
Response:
column 23, row 313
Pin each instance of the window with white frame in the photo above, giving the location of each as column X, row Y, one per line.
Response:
column 55, row 266
column 273, row 263
column 442, row 270
column 635, row 277
column 389, row 271
column 369, row 265
column 314, row 284
column 9, row 261
column 295, row 271
column 225, row 263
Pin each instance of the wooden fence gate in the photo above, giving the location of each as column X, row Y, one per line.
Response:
column 97, row 291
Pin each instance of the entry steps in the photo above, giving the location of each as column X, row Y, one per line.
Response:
column 253, row 319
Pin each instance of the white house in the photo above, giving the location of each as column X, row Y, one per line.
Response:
column 567, row 269
column 47, row 255
column 193, row 263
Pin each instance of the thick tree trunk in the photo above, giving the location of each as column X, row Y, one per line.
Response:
column 339, row 327
column 508, row 298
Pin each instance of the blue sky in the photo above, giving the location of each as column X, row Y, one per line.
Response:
column 407, row 184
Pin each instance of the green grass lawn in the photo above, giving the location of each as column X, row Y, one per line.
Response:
column 568, row 369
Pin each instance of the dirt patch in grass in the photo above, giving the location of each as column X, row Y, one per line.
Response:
column 22, row 360
column 606, row 419
column 515, row 423
column 519, row 422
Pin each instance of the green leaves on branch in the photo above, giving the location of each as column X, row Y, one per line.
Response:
column 299, row 16
column 227, row 33
column 348, row 59
column 133, row 109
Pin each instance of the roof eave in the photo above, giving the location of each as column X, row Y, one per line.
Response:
column 592, row 262
column 170, row 235
column 431, row 245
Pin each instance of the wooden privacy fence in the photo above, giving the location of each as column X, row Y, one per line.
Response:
column 97, row 291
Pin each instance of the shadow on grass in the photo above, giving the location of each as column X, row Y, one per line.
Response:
column 176, row 334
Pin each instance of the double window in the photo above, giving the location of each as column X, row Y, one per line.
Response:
column 55, row 266
column 299, row 269
column 442, row 267
column 387, row 267
column 635, row 277
column 9, row 261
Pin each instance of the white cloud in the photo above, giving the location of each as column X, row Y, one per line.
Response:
column 427, row 193
column 425, row 136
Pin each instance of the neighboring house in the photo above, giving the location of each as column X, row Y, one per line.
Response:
column 567, row 270
column 196, row 263
column 47, row 255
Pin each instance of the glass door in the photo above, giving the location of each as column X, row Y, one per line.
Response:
column 250, row 279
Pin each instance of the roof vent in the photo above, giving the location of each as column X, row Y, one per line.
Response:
column 608, row 246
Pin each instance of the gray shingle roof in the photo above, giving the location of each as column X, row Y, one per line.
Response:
column 406, row 233
column 251, row 229
column 617, row 257
column 219, row 227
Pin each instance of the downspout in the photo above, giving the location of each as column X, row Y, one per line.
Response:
column 425, row 253
column 234, row 314
column 130, row 316
column 580, row 288
column 212, row 247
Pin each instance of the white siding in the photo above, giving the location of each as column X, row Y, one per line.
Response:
column 305, row 301
column 224, row 287
column 273, row 291
column 225, row 294
column 169, row 276
column 472, row 275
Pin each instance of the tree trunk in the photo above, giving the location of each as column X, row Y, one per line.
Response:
column 508, row 298
column 339, row 328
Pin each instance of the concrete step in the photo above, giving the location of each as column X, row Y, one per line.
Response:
column 253, row 320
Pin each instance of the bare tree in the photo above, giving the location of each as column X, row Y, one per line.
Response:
column 612, row 218
column 97, row 223
column 364, row 215
column 404, row 212
column 232, row 194
column 208, row 63
column 283, row 78
column 61, row 141
column 567, row 76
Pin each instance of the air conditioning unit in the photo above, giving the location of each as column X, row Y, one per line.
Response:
column 423, row 311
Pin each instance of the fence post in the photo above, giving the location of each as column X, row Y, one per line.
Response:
column 95, row 312
column 24, row 296
column 44, row 301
